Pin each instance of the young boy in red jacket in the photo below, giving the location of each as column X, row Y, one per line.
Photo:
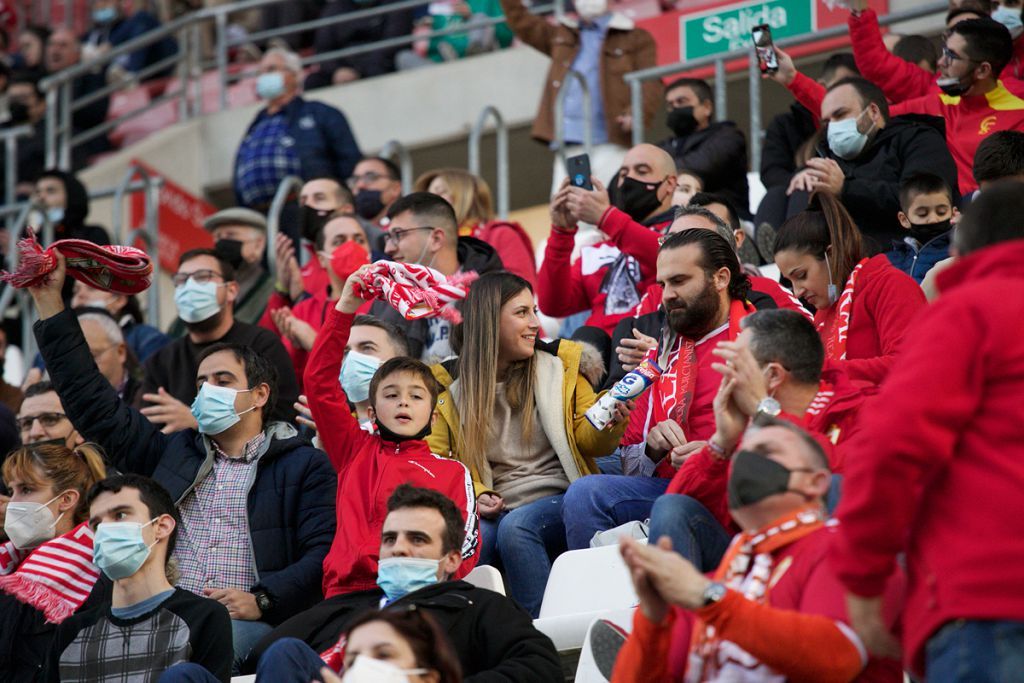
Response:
column 370, row 466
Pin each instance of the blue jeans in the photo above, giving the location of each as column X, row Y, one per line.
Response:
column 245, row 635
column 599, row 502
column 976, row 651
column 609, row 464
column 695, row 533
column 525, row 541
column 289, row 660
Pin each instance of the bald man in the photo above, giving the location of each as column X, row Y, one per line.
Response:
column 609, row 277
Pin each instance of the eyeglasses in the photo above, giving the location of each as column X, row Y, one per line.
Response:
column 395, row 235
column 47, row 420
column 366, row 178
column 951, row 56
column 201, row 277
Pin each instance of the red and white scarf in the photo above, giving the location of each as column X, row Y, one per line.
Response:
column 835, row 338
column 416, row 291
column 55, row 578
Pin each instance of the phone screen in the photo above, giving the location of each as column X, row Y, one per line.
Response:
column 766, row 59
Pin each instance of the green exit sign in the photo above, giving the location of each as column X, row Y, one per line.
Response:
column 727, row 28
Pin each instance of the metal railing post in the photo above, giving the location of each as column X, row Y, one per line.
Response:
column 195, row 64
column 221, row 19
column 10, row 136
column 392, row 148
column 754, row 78
column 184, row 73
column 286, row 185
column 501, row 140
column 51, row 127
column 64, row 160
column 721, row 97
column 636, row 97
column 588, row 111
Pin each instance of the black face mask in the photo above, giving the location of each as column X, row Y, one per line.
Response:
column 681, row 121
column 369, row 204
column 310, row 222
column 954, row 87
column 230, row 251
column 389, row 435
column 19, row 112
column 755, row 477
column 637, row 199
column 926, row 232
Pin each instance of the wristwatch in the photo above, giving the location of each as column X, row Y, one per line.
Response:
column 263, row 601
column 768, row 406
column 714, row 593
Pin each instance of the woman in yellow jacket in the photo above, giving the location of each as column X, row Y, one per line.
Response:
column 512, row 412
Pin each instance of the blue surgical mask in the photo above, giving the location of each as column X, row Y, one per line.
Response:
column 104, row 15
column 270, row 85
column 1011, row 19
column 196, row 302
column 55, row 214
column 399, row 576
column 119, row 549
column 845, row 139
column 356, row 372
column 214, row 408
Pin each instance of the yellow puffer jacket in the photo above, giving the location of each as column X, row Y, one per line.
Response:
column 574, row 439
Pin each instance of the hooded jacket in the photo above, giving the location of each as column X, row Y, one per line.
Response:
column 942, row 446
column 474, row 255
column 916, row 259
column 369, row 469
column 290, row 501
column 562, row 397
column 718, row 155
column 76, row 209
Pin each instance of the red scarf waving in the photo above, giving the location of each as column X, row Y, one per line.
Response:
column 834, row 322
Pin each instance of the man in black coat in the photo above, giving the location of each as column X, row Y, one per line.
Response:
column 256, row 500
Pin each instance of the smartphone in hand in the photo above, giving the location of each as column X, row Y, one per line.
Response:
column 578, row 168
column 767, row 60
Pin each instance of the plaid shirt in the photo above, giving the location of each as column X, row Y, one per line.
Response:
column 214, row 546
column 265, row 157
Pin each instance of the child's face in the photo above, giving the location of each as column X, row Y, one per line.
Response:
column 686, row 186
column 403, row 403
column 926, row 209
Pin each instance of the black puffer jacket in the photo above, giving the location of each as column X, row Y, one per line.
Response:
column 718, row 154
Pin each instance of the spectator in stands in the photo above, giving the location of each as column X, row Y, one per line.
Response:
column 370, row 463
column 109, row 351
column 143, row 340
column 114, row 24
column 31, row 45
column 609, row 277
column 376, row 183
column 927, row 212
column 255, row 498
column 491, row 635
column 512, row 411
column 46, row 521
column 470, row 196
column 716, row 150
column 752, row 618
column 1000, row 157
column 42, row 419
column 602, row 46
column 423, row 230
column 63, row 50
column 26, row 106
column 720, row 205
column 204, row 293
column 688, row 184
column 240, row 238
column 318, row 199
column 290, row 136
column 136, row 527
column 392, row 24
column 864, row 305
column 478, row 38
column 285, row 14
column 955, row 461
column 918, row 50
column 67, row 207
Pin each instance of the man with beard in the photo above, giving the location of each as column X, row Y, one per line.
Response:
column 704, row 292
column 205, row 290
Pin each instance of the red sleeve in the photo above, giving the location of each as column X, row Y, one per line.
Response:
column 705, row 478
column 338, row 428
column 515, row 254
column 782, row 297
column 899, row 80
column 277, row 300
column 809, row 93
column 926, row 104
column 650, row 302
column 944, row 361
column 632, row 238
column 800, row 645
column 560, row 289
column 644, row 655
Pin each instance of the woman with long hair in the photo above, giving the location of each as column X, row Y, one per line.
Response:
column 863, row 304
column 470, row 196
column 513, row 412
column 407, row 640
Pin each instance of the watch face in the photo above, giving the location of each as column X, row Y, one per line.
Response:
column 263, row 602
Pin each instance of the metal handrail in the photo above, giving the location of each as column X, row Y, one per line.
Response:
column 588, row 110
column 392, row 148
column 284, row 188
column 501, row 140
column 10, row 140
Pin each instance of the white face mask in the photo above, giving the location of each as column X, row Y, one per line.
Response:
column 369, row 670
column 591, row 9
column 29, row 525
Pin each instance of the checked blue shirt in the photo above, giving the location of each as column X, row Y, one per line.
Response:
column 265, row 157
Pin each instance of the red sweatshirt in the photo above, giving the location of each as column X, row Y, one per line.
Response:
column 885, row 300
column 370, row 469
column 937, row 468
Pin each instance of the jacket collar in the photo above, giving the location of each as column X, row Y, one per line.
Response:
column 619, row 22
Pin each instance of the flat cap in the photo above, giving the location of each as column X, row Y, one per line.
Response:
column 236, row 215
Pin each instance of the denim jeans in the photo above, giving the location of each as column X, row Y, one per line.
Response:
column 245, row 635
column 976, row 651
column 289, row 660
column 695, row 533
column 525, row 541
column 599, row 502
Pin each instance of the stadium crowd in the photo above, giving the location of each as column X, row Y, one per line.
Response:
column 801, row 422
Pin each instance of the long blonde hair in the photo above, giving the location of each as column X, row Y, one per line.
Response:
column 61, row 468
column 476, row 341
column 471, row 195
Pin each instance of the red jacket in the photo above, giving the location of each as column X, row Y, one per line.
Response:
column 564, row 287
column 937, row 469
column 370, row 469
column 514, row 247
column 885, row 300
